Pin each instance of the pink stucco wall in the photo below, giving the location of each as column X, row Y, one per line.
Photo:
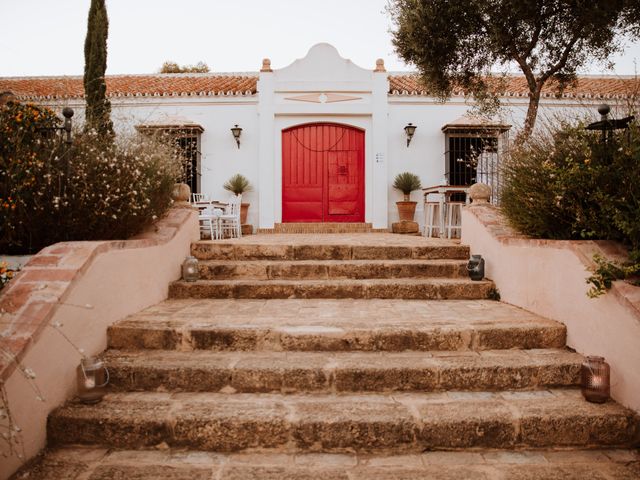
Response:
column 547, row 277
column 86, row 286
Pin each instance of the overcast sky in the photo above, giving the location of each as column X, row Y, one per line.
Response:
column 46, row 37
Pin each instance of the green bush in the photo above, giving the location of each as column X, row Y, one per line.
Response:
column 568, row 184
column 92, row 190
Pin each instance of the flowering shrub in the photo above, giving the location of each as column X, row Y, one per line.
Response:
column 94, row 189
column 568, row 184
column 6, row 274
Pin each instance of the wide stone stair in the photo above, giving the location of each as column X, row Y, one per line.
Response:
column 369, row 387
column 231, row 270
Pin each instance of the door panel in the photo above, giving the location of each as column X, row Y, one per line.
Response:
column 322, row 173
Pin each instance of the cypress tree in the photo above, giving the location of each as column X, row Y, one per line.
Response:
column 98, row 113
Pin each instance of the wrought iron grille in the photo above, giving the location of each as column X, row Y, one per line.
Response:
column 188, row 147
column 187, row 141
column 473, row 156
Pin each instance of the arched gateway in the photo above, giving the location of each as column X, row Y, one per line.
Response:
column 323, row 173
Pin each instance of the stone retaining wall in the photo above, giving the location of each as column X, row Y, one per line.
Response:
column 548, row 277
column 84, row 287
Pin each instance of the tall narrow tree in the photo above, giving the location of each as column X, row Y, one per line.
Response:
column 98, row 113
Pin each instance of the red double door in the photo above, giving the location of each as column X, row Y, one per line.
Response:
column 322, row 173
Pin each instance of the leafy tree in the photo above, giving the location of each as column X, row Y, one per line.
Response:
column 172, row 67
column 458, row 43
column 95, row 65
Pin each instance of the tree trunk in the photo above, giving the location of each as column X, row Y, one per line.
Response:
column 532, row 114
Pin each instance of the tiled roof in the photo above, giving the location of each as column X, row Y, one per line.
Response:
column 27, row 88
column 207, row 84
column 516, row 86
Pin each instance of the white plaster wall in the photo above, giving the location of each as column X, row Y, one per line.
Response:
column 425, row 154
column 554, row 277
column 382, row 116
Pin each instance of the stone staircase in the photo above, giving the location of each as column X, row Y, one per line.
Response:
column 231, row 270
column 304, row 361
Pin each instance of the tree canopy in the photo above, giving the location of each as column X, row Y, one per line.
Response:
column 460, row 43
column 98, row 114
column 172, row 67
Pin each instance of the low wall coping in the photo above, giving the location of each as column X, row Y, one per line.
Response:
column 496, row 224
column 29, row 301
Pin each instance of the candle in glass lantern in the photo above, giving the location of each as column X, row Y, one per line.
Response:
column 595, row 380
column 93, row 378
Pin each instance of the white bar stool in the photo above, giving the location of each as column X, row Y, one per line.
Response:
column 432, row 219
column 453, row 226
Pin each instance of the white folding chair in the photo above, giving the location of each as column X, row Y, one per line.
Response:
column 230, row 220
column 199, row 197
column 209, row 220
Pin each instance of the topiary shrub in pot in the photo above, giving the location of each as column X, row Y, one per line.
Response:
column 238, row 184
column 407, row 182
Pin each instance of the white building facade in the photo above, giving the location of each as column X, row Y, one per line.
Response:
column 322, row 139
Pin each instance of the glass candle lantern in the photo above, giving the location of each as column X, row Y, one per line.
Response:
column 93, row 378
column 475, row 267
column 595, row 380
column 190, row 271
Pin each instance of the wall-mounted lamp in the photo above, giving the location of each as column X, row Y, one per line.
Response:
column 410, row 129
column 237, row 131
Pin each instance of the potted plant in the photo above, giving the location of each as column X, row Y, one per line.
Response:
column 406, row 182
column 239, row 184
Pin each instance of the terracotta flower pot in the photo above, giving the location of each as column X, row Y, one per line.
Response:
column 244, row 209
column 406, row 210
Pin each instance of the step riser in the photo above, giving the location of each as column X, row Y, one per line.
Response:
column 289, row 271
column 331, row 339
column 414, row 291
column 300, row 380
column 222, row 251
column 150, row 464
column 342, row 427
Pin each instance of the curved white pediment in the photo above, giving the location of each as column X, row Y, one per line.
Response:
column 323, row 63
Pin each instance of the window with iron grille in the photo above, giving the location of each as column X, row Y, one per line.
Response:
column 187, row 142
column 188, row 148
column 472, row 155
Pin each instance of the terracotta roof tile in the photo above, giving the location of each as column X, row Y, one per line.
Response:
column 34, row 88
column 133, row 85
column 516, row 86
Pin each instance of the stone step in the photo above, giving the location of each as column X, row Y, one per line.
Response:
column 75, row 463
column 298, row 372
column 402, row 422
column 419, row 289
column 230, row 250
column 317, row 227
column 334, row 325
column 330, row 269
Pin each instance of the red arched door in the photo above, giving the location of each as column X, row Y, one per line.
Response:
column 322, row 173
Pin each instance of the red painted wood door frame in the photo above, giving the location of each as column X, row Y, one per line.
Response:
column 322, row 173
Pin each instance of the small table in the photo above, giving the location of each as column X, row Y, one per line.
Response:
column 202, row 204
column 444, row 193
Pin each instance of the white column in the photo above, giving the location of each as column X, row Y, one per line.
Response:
column 380, row 124
column 266, row 130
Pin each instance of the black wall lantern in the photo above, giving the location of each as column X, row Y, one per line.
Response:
column 237, row 131
column 410, row 129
